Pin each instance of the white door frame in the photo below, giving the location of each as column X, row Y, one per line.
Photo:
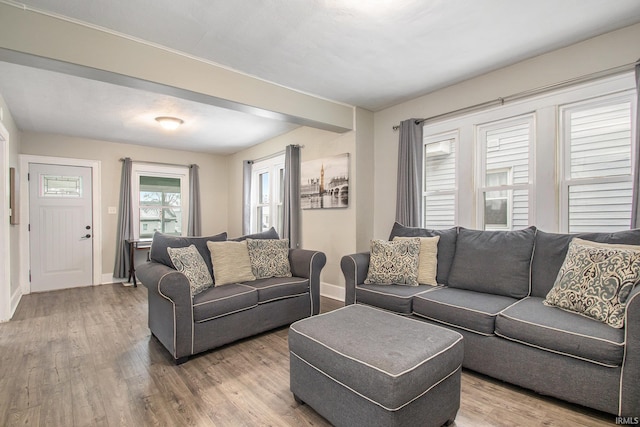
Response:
column 5, row 248
column 95, row 166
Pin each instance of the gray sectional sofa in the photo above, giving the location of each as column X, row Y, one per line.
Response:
column 187, row 325
column 491, row 287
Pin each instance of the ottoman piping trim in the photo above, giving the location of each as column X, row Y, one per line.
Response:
column 606, row 365
column 386, row 310
column 368, row 398
column 454, row 326
column 620, row 344
column 346, row 356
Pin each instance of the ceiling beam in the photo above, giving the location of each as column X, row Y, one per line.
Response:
column 35, row 39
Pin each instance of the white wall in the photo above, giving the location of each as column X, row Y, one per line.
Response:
column 332, row 231
column 593, row 55
column 213, row 178
column 14, row 148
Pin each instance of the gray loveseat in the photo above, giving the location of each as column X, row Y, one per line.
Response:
column 491, row 287
column 187, row 325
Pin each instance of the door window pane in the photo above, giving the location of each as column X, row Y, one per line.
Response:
column 60, row 186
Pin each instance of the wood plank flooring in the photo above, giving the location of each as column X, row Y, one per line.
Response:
column 85, row 357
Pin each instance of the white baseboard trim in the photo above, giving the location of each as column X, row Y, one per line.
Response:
column 332, row 291
column 15, row 300
column 108, row 278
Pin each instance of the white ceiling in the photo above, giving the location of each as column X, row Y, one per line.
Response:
column 372, row 54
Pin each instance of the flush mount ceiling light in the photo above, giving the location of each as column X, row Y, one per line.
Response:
column 169, row 123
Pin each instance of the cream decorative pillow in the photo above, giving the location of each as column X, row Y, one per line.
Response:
column 428, row 260
column 231, row 262
column 596, row 279
column 189, row 262
column 394, row 262
column 269, row 257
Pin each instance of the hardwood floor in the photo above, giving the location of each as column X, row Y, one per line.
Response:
column 85, row 357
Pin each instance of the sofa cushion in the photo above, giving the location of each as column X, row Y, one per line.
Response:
column 269, row 258
column 220, row 301
column 189, row 262
column 446, row 245
column 427, row 260
column 390, row 297
column 469, row 310
column 161, row 242
column 231, row 262
column 551, row 250
column 532, row 323
column 267, row 234
column 394, row 263
column 596, row 280
column 275, row 288
column 493, row 262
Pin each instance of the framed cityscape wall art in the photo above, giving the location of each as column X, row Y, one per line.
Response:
column 325, row 183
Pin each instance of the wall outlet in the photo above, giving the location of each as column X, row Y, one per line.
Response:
column 112, row 210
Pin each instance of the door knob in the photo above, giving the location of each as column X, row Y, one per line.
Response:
column 87, row 236
column 88, row 227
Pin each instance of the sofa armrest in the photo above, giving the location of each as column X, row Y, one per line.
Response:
column 170, row 307
column 630, row 385
column 355, row 268
column 309, row 264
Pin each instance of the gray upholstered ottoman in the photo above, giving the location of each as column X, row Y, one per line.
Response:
column 361, row 366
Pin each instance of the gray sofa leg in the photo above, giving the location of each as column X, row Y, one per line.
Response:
column 181, row 360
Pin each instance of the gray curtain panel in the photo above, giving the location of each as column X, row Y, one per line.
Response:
column 291, row 220
column 635, row 207
column 246, row 196
column 409, row 194
column 125, row 222
column 194, row 227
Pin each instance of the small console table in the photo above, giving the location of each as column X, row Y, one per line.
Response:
column 133, row 245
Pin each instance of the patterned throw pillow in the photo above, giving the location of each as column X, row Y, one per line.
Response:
column 230, row 262
column 394, row 262
column 596, row 279
column 269, row 257
column 428, row 260
column 189, row 262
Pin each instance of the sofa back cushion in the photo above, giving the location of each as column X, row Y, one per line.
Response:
column 158, row 252
column 493, row 262
column 267, row 234
column 551, row 250
column 446, row 245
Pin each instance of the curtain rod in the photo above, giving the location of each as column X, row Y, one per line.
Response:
column 158, row 163
column 531, row 92
column 270, row 156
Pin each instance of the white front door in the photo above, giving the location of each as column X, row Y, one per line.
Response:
column 61, row 227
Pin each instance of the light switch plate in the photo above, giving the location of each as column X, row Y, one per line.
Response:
column 112, row 210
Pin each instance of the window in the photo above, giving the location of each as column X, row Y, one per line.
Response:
column 160, row 200
column 597, row 173
column 562, row 160
column 504, row 180
column 267, row 194
column 439, row 180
